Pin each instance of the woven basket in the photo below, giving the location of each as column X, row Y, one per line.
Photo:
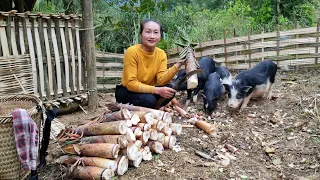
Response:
column 10, row 166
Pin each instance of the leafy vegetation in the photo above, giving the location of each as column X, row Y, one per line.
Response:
column 117, row 21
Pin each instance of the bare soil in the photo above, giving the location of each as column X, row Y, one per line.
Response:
column 277, row 139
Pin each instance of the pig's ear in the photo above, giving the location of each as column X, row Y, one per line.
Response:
column 246, row 88
column 226, row 87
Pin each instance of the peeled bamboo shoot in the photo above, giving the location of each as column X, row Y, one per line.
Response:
column 208, row 128
column 155, row 146
column 176, row 128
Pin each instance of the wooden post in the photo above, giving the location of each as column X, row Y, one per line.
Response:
column 225, row 47
column 90, row 58
column 317, row 41
column 297, row 46
column 249, row 47
column 278, row 42
column 262, row 49
column 234, row 36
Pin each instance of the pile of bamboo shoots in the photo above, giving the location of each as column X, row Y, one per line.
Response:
column 120, row 139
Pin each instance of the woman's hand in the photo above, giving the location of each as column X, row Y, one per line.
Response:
column 179, row 64
column 164, row 92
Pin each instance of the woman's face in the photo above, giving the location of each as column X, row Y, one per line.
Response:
column 150, row 35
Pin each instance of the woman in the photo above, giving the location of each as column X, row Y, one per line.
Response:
column 145, row 77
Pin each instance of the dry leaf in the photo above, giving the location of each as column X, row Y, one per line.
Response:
column 269, row 150
column 276, row 161
column 77, row 149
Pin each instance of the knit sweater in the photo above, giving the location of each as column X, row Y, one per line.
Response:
column 143, row 70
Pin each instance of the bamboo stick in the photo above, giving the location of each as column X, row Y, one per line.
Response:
column 106, row 128
column 103, row 150
column 112, row 139
column 91, row 172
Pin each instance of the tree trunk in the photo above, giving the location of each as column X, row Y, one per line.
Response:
column 90, row 58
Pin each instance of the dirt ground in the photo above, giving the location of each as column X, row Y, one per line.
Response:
column 277, row 139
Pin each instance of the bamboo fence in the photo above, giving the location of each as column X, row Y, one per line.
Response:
column 294, row 47
column 50, row 44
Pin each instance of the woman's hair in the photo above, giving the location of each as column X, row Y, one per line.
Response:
column 148, row 20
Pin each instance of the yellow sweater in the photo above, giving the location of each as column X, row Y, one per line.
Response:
column 143, row 70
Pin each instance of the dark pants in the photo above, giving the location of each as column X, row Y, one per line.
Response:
column 123, row 95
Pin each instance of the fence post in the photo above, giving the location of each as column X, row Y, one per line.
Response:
column 317, row 41
column 249, row 47
column 262, row 49
column 234, row 36
column 278, row 42
column 297, row 36
column 225, row 46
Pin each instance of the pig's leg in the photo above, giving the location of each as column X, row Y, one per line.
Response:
column 195, row 95
column 269, row 95
column 245, row 102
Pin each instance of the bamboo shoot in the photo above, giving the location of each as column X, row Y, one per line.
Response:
column 208, row 128
column 176, row 128
column 92, row 172
column 103, row 150
column 169, row 142
column 155, row 147
column 111, row 139
column 106, row 128
column 122, row 165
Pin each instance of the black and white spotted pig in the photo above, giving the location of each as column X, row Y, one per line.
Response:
column 255, row 82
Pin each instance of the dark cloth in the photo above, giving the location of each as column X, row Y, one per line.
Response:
column 51, row 114
column 123, row 95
